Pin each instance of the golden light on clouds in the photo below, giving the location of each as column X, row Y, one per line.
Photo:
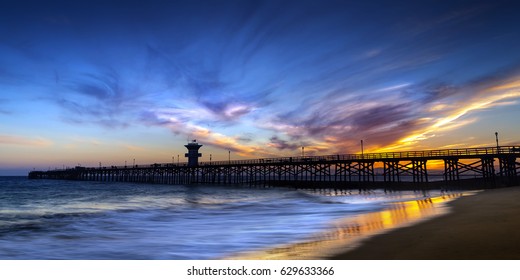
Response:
column 495, row 96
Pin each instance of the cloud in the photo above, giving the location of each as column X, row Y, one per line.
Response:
column 76, row 142
column 482, row 94
column 394, row 118
column 133, row 148
column 348, row 120
column 281, row 144
column 228, row 112
column 24, row 141
column 101, row 98
column 180, row 124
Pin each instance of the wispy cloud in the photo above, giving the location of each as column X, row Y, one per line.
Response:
column 395, row 118
column 99, row 98
column 203, row 134
column 281, row 144
column 24, row 141
column 484, row 94
column 80, row 142
column 133, row 147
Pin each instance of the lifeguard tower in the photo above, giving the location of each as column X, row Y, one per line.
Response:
column 193, row 153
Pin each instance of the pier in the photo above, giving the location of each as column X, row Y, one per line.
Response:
column 490, row 166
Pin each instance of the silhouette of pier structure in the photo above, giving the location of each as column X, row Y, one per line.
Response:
column 390, row 169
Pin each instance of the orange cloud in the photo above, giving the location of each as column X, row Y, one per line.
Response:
column 488, row 97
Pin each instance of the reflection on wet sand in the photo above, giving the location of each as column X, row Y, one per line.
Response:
column 347, row 233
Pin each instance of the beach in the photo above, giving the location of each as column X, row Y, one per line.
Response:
column 483, row 226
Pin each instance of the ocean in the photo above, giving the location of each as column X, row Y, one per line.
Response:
column 67, row 220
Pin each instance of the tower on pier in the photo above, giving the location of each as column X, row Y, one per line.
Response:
column 193, row 153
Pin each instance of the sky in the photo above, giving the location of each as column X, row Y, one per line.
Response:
column 107, row 82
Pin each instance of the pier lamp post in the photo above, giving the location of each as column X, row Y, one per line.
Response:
column 210, row 159
column 362, row 149
column 303, row 151
column 125, row 163
column 496, row 138
column 229, row 157
column 178, row 160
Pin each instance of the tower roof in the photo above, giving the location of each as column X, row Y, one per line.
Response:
column 193, row 143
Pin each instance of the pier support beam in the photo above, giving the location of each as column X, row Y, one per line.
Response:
column 366, row 171
column 451, row 169
column 488, row 167
column 419, row 171
column 391, row 171
column 508, row 166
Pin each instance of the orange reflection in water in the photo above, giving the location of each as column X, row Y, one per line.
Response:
column 346, row 234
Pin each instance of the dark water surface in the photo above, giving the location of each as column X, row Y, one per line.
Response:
column 48, row 219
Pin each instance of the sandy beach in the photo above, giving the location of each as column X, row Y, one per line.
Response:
column 484, row 226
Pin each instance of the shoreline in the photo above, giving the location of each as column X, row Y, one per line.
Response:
column 350, row 232
column 485, row 226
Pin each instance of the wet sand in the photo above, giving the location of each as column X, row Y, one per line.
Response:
column 482, row 226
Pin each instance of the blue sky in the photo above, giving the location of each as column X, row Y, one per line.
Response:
column 89, row 82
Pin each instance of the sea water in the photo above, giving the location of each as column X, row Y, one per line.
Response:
column 52, row 219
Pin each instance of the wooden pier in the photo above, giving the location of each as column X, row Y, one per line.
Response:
column 490, row 165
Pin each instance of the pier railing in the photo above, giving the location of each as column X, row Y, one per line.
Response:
column 429, row 154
